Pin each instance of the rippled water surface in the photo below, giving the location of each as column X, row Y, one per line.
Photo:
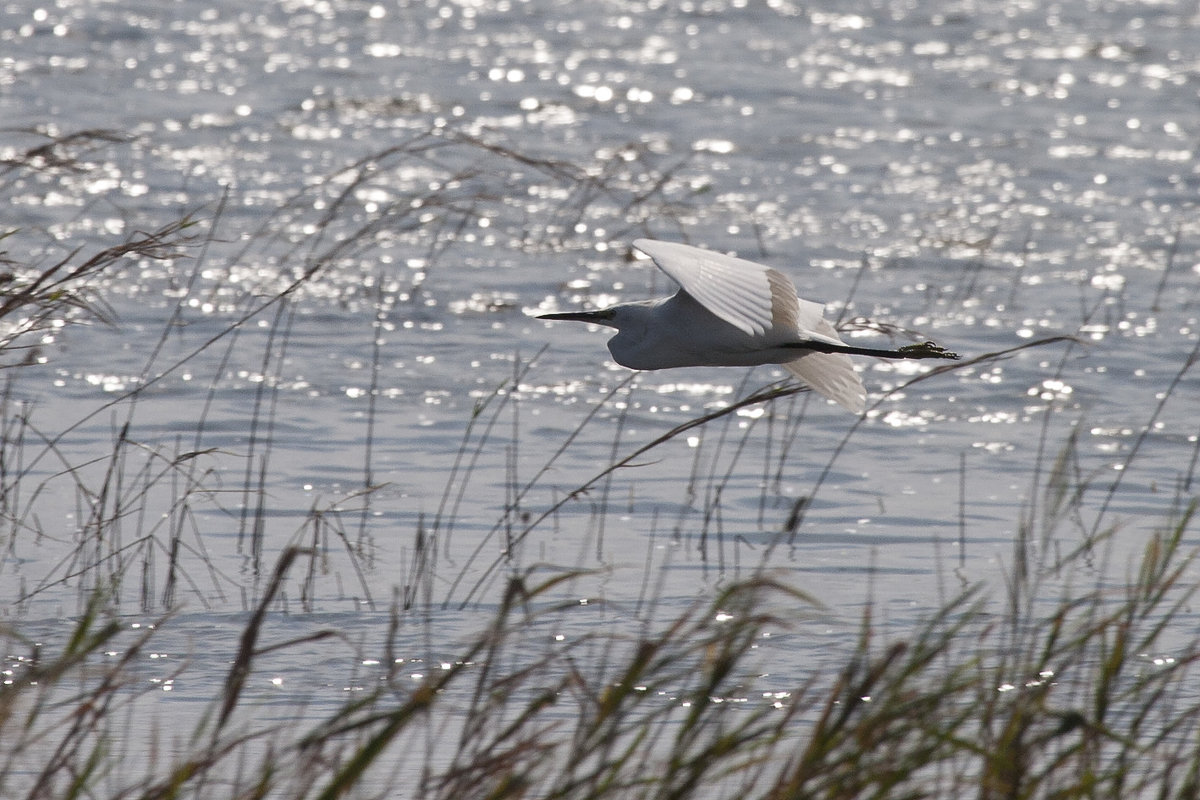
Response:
column 418, row 179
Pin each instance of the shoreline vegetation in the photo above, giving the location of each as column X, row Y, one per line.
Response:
column 1048, row 683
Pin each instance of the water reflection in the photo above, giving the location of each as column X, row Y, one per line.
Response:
column 415, row 177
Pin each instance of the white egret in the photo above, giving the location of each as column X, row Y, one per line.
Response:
column 730, row 312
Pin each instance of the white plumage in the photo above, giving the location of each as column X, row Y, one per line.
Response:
column 733, row 312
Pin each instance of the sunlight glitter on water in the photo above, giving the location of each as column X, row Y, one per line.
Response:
column 1004, row 175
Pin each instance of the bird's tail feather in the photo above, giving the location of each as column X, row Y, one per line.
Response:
column 833, row 375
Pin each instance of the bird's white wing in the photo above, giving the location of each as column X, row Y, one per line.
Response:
column 757, row 299
column 749, row 296
column 832, row 375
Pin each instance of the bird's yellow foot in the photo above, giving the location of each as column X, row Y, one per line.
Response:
column 927, row 350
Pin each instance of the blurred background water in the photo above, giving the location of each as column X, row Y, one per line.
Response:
column 984, row 174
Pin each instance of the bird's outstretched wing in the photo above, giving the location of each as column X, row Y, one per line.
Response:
column 833, row 375
column 749, row 296
column 758, row 300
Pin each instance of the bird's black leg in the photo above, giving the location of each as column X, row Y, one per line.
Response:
column 922, row 350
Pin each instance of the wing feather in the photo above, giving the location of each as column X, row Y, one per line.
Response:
column 757, row 299
column 749, row 296
column 832, row 375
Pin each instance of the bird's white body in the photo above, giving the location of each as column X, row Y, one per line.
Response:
column 678, row 331
column 730, row 312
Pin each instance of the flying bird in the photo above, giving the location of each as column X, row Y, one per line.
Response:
column 730, row 312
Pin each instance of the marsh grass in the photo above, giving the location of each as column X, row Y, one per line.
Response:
column 1039, row 686
column 1021, row 704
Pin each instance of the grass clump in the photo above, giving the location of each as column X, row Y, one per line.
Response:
column 1071, row 704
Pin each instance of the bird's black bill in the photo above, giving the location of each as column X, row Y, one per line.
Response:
column 921, row 350
column 580, row 316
